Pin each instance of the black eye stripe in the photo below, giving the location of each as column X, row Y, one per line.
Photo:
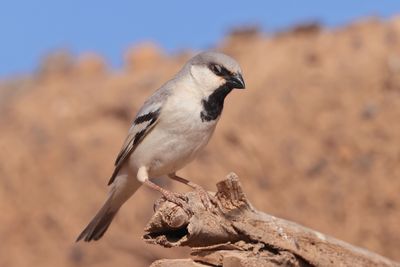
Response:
column 223, row 71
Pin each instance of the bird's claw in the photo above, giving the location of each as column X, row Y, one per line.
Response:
column 181, row 200
column 178, row 199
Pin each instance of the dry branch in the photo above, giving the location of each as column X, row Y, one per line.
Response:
column 233, row 233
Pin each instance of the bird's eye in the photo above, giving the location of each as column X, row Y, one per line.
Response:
column 217, row 69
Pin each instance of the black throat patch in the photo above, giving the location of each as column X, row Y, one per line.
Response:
column 213, row 105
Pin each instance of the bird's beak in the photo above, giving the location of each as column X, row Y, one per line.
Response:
column 236, row 81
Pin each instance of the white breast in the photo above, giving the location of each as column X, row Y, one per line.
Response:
column 175, row 140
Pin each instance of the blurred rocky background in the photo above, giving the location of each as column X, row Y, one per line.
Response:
column 315, row 138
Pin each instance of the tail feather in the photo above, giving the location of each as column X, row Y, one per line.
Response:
column 99, row 224
column 121, row 190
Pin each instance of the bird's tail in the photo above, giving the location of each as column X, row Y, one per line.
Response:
column 121, row 190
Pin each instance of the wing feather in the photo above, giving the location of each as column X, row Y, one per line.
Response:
column 142, row 125
column 145, row 121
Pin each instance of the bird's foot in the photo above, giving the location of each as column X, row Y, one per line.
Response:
column 207, row 199
column 178, row 199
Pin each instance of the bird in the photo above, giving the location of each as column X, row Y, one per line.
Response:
column 168, row 132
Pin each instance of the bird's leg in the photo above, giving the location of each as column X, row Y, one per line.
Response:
column 205, row 197
column 175, row 198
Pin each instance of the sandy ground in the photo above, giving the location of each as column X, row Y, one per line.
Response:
column 315, row 139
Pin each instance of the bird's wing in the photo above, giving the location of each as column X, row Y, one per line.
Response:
column 145, row 121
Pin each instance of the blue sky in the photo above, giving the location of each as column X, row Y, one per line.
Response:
column 30, row 29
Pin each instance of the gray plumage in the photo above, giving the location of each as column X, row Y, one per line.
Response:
column 172, row 126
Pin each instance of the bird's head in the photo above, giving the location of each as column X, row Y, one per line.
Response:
column 213, row 70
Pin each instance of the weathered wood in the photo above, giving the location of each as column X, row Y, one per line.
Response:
column 233, row 233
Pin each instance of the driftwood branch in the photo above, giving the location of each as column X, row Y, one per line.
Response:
column 232, row 233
